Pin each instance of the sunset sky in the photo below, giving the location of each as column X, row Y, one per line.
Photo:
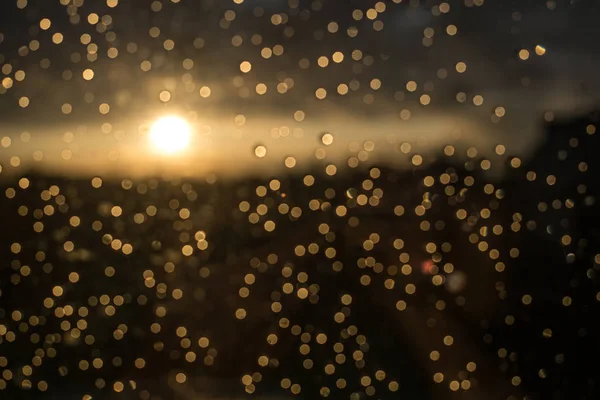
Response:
column 86, row 81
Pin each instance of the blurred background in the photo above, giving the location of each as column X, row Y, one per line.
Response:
column 299, row 199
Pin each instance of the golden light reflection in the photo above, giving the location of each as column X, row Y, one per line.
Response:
column 170, row 135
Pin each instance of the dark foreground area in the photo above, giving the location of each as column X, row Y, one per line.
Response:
column 442, row 281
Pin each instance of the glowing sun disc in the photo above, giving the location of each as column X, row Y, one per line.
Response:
column 170, row 135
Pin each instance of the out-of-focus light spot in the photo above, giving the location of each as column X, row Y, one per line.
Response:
column 540, row 50
column 260, row 151
column 524, row 54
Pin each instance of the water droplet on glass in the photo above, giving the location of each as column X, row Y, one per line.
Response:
column 260, row 151
column 327, row 139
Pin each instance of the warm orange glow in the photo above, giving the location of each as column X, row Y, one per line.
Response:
column 170, row 135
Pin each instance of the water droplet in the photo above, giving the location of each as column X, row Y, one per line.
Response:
column 260, row 151
column 327, row 139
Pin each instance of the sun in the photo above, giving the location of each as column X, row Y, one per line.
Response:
column 170, row 135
